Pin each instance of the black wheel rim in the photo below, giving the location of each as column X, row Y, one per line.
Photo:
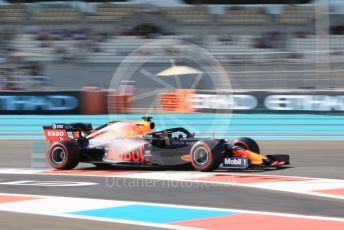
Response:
column 58, row 155
column 201, row 156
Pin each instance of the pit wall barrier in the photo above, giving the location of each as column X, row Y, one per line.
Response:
column 85, row 101
column 94, row 101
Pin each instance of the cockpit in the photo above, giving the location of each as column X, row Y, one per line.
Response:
column 175, row 133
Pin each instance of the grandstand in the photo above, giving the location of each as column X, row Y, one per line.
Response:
column 246, row 39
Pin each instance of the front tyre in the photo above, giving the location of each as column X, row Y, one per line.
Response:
column 248, row 144
column 64, row 155
column 205, row 157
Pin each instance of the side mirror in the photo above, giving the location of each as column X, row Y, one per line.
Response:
column 193, row 134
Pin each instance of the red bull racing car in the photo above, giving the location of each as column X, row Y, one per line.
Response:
column 135, row 143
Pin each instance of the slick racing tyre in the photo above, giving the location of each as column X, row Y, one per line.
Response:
column 64, row 155
column 248, row 144
column 205, row 157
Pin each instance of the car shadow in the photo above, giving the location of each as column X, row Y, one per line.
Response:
column 175, row 168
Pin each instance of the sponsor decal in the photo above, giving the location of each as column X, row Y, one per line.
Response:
column 40, row 102
column 133, row 155
column 182, row 142
column 186, row 157
column 49, row 102
column 147, row 153
column 305, row 102
column 215, row 101
column 55, row 133
column 266, row 101
column 240, row 162
column 58, row 126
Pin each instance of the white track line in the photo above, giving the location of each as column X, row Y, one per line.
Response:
column 307, row 185
column 70, row 204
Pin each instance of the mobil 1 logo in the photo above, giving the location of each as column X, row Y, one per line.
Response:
column 235, row 162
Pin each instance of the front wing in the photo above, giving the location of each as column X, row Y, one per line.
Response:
column 277, row 161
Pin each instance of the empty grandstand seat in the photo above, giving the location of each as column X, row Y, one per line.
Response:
column 293, row 14
column 28, row 43
column 193, row 15
column 53, row 15
column 12, row 13
column 111, row 12
column 247, row 15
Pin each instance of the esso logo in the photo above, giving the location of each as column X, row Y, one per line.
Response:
column 55, row 133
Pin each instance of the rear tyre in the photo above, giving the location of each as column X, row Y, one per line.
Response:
column 64, row 155
column 248, row 144
column 205, row 157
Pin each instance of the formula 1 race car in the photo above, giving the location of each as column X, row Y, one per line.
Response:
column 136, row 143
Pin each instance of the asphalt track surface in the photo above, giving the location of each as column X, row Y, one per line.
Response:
column 323, row 159
column 15, row 221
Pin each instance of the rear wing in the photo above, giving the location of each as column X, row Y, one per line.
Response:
column 65, row 132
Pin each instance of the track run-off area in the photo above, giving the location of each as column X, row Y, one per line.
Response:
column 175, row 199
column 307, row 195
